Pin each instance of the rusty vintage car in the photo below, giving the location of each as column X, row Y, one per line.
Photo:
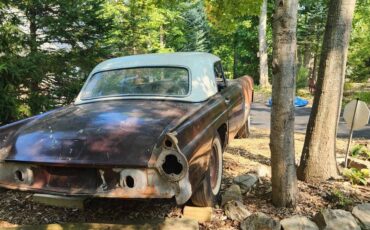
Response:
column 143, row 126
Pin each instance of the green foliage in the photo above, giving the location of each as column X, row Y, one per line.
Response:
column 348, row 86
column 302, row 78
column 227, row 15
column 234, row 31
column 45, row 56
column 238, row 51
column 310, row 29
column 196, row 29
column 357, row 176
column 360, row 151
column 341, row 199
column 48, row 47
column 359, row 50
column 363, row 96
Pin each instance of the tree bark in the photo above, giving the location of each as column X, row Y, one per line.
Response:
column 307, row 56
column 318, row 162
column 34, row 95
column 161, row 37
column 32, row 43
column 284, row 179
column 313, row 70
column 313, row 73
column 235, row 56
column 264, row 77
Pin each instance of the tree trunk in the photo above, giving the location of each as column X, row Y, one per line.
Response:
column 161, row 37
column 34, row 95
column 264, row 77
column 33, row 32
column 307, row 56
column 313, row 70
column 316, row 58
column 284, row 179
column 235, row 56
column 318, row 162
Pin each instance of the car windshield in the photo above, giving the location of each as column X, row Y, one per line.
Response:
column 155, row 81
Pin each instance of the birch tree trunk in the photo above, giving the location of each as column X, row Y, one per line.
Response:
column 264, row 77
column 284, row 178
column 318, row 162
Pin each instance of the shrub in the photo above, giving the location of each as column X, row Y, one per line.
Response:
column 357, row 176
column 340, row 198
column 302, row 78
column 360, row 151
column 363, row 96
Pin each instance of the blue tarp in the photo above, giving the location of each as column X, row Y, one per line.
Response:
column 298, row 102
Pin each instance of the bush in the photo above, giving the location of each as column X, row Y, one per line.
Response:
column 357, row 176
column 361, row 151
column 348, row 86
column 341, row 199
column 363, row 96
column 302, row 78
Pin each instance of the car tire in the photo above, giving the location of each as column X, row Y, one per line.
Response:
column 207, row 195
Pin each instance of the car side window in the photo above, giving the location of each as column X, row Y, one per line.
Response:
column 219, row 75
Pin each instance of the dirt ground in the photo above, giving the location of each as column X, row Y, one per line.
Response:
column 242, row 156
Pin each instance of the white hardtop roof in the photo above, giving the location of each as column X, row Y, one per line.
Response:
column 185, row 59
column 200, row 66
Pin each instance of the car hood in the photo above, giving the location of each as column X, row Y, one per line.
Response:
column 114, row 133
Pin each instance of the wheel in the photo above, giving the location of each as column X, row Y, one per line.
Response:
column 207, row 195
column 244, row 131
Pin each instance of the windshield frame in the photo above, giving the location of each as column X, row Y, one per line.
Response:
column 79, row 98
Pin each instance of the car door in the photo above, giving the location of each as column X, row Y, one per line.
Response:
column 233, row 97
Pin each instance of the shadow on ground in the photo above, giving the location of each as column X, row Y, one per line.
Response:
column 250, row 156
column 17, row 208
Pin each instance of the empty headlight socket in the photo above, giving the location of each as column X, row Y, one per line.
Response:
column 171, row 162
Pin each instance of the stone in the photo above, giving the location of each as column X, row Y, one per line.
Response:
column 236, row 210
column 201, row 214
column 259, row 221
column 247, row 181
column 333, row 219
column 263, row 171
column 232, row 193
column 358, row 164
column 298, row 223
column 362, row 213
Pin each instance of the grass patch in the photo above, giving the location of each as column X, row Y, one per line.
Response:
column 259, row 89
column 341, row 199
column 302, row 78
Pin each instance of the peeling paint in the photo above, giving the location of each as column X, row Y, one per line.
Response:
column 105, row 183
